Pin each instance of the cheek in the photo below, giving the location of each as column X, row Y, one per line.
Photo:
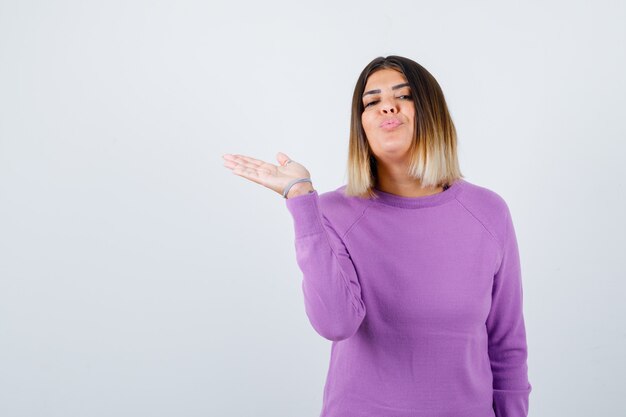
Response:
column 411, row 112
column 366, row 122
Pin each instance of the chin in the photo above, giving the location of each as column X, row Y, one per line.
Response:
column 394, row 148
column 392, row 155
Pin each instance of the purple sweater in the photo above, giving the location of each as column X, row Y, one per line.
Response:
column 421, row 298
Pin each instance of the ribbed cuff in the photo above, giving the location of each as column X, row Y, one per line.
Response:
column 305, row 212
column 511, row 403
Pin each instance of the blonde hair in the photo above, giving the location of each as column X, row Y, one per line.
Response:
column 433, row 152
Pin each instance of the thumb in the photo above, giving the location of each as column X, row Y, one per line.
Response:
column 282, row 158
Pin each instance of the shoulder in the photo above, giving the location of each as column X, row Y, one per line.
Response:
column 341, row 210
column 487, row 206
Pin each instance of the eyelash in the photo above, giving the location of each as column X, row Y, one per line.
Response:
column 376, row 101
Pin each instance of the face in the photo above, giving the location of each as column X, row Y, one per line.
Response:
column 388, row 115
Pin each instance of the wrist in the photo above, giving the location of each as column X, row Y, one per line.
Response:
column 300, row 188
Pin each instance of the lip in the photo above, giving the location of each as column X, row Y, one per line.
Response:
column 390, row 123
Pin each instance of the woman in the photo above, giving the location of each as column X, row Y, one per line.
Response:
column 410, row 270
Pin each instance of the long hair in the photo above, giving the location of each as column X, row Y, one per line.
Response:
column 433, row 152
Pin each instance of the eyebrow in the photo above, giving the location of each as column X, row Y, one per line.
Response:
column 395, row 87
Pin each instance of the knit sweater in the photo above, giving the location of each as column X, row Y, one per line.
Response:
column 421, row 298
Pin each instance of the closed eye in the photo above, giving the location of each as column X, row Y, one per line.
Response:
column 405, row 97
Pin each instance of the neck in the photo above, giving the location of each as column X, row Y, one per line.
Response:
column 394, row 180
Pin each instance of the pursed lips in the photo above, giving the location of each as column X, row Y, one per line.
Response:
column 390, row 123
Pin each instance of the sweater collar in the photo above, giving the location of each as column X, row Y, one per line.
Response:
column 423, row 201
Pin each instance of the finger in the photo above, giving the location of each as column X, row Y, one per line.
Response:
column 282, row 158
column 251, row 174
column 247, row 169
column 249, row 160
column 261, row 166
column 240, row 159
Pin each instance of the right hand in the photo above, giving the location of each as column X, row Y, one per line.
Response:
column 274, row 177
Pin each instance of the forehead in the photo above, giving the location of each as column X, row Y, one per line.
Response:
column 384, row 79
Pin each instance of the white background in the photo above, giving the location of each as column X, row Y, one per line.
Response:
column 139, row 276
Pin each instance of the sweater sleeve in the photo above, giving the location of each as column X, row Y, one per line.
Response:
column 507, row 334
column 332, row 293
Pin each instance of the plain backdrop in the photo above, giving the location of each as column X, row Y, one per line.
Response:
column 141, row 277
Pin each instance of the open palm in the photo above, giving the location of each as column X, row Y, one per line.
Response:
column 274, row 177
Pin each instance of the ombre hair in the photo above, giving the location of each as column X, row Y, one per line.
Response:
column 433, row 152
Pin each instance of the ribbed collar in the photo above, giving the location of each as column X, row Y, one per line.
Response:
column 424, row 201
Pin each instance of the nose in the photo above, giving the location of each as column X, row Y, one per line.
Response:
column 389, row 106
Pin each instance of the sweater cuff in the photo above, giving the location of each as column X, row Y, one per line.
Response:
column 511, row 403
column 306, row 214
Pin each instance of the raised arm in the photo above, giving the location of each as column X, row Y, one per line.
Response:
column 332, row 293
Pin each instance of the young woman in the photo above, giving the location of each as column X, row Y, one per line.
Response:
column 410, row 270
